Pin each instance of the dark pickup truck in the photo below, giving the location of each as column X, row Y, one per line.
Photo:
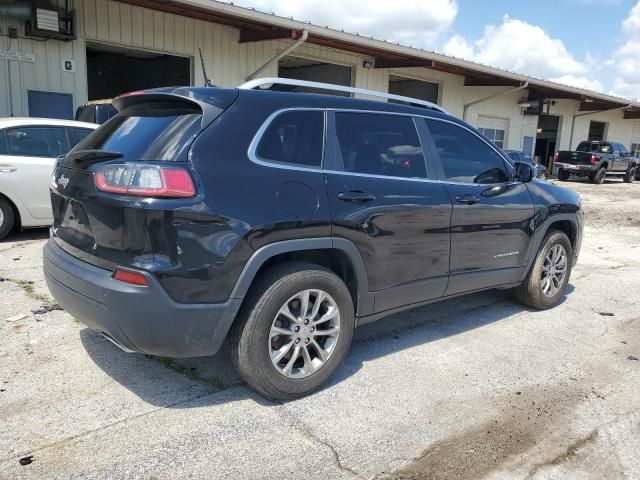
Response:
column 596, row 160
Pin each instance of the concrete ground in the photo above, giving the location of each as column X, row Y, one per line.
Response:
column 477, row 387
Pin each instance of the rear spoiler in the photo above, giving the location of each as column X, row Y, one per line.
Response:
column 209, row 102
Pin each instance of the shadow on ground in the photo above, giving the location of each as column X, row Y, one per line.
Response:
column 395, row 333
column 25, row 235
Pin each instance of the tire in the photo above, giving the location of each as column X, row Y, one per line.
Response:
column 253, row 343
column 531, row 292
column 630, row 176
column 599, row 176
column 563, row 175
column 543, row 175
column 7, row 218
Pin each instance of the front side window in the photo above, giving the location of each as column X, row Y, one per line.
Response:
column 4, row 150
column 295, row 137
column 37, row 141
column 496, row 135
column 379, row 144
column 464, row 156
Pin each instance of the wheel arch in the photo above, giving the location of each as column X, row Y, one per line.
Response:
column 338, row 255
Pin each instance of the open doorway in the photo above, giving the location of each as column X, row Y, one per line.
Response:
column 597, row 131
column 546, row 139
column 112, row 70
column 315, row 71
column 407, row 87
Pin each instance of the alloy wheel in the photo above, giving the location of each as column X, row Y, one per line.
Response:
column 304, row 333
column 554, row 270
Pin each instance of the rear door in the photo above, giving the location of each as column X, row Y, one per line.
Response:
column 28, row 162
column 491, row 220
column 382, row 200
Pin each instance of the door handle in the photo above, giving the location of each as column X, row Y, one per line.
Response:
column 356, row 196
column 7, row 169
column 467, row 199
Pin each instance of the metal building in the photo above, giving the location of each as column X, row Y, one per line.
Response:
column 58, row 54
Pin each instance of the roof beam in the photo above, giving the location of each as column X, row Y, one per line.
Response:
column 402, row 62
column 248, row 35
column 632, row 115
column 598, row 106
column 490, row 82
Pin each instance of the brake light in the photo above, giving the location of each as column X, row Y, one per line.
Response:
column 135, row 92
column 145, row 180
column 594, row 159
column 130, row 277
column 557, row 157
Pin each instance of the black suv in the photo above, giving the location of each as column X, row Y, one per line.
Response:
column 280, row 221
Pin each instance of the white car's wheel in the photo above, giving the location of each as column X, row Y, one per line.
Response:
column 7, row 218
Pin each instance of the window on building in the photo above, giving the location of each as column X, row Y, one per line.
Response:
column 40, row 141
column 464, row 156
column 635, row 149
column 495, row 135
column 294, row 137
column 379, row 144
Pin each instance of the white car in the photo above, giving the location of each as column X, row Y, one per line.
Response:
column 28, row 151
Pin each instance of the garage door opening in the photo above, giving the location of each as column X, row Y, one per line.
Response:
column 315, row 71
column 546, row 140
column 112, row 71
column 419, row 89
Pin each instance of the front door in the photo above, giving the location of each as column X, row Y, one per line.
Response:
column 382, row 200
column 491, row 224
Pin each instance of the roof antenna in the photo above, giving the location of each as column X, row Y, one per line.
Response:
column 207, row 82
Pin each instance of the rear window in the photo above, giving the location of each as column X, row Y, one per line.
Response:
column 593, row 147
column 158, row 137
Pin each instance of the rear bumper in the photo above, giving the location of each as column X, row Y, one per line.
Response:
column 571, row 168
column 138, row 319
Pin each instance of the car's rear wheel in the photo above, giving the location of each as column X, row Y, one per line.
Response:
column 630, row 176
column 7, row 218
column 294, row 331
column 563, row 175
column 547, row 280
column 599, row 176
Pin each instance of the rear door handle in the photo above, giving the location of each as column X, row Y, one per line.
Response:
column 467, row 199
column 7, row 169
column 356, row 196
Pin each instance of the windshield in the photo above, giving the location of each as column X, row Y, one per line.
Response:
column 593, row 147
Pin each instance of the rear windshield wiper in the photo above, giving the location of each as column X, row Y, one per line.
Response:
column 91, row 155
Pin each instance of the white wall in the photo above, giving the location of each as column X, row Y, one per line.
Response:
column 228, row 63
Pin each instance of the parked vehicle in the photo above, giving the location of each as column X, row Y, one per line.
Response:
column 539, row 170
column 283, row 220
column 96, row 111
column 596, row 160
column 28, row 149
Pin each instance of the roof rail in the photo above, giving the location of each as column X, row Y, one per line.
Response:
column 266, row 82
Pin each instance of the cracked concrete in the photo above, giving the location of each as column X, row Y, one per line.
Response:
column 477, row 387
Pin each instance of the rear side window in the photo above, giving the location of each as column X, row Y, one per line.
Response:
column 464, row 156
column 76, row 134
column 295, row 138
column 380, row 144
column 37, row 141
column 157, row 137
column 3, row 143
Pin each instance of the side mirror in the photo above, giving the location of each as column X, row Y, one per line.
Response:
column 523, row 172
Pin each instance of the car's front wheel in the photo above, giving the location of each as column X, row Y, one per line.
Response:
column 630, row 176
column 547, row 280
column 7, row 218
column 294, row 330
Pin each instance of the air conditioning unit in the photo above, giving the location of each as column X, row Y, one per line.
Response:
column 50, row 21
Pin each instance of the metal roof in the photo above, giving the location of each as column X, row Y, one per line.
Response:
column 256, row 25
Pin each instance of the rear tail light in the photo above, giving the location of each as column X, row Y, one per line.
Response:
column 557, row 157
column 594, row 159
column 145, row 180
column 130, row 277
